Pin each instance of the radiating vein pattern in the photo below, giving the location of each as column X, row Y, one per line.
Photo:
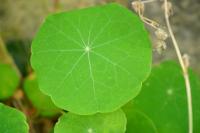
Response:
column 92, row 60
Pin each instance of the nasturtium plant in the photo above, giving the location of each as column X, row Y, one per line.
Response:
column 114, row 122
column 137, row 121
column 40, row 101
column 92, row 60
column 9, row 80
column 163, row 99
column 12, row 120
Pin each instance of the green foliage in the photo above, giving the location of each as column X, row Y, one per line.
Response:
column 114, row 122
column 9, row 80
column 163, row 100
column 92, row 60
column 40, row 101
column 137, row 121
column 12, row 120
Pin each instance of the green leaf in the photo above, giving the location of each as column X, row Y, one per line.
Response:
column 114, row 122
column 9, row 79
column 40, row 101
column 163, row 99
column 137, row 121
column 92, row 60
column 12, row 120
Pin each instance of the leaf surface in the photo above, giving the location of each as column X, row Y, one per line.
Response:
column 163, row 99
column 12, row 120
column 114, row 122
column 92, row 60
column 137, row 121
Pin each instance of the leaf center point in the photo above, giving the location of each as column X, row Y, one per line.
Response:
column 87, row 49
column 169, row 92
column 90, row 130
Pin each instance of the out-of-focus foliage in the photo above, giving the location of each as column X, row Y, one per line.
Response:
column 20, row 52
column 12, row 120
column 137, row 121
column 9, row 75
column 9, row 80
column 40, row 101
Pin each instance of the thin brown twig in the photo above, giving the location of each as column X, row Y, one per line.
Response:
column 138, row 6
column 184, row 69
column 149, row 22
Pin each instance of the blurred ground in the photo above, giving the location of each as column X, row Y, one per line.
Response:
column 19, row 21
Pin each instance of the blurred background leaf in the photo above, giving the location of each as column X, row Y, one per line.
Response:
column 163, row 101
column 40, row 101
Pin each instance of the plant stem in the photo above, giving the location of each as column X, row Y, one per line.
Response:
column 184, row 69
column 148, row 1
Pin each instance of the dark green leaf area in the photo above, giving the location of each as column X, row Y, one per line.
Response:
column 163, row 99
column 137, row 121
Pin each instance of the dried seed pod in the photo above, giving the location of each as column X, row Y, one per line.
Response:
column 161, row 34
column 138, row 6
column 186, row 60
column 160, row 46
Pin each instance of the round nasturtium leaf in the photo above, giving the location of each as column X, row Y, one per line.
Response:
column 137, row 121
column 12, row 120
column 163, row 99
column 9, row 80
column 114, row 122
column 92, row 60
column 40, row 101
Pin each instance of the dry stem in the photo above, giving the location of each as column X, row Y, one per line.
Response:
column 184, row 69
column 184, row 62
